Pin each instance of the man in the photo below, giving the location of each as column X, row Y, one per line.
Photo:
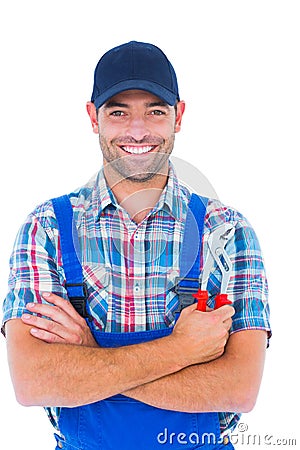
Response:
column 130, row 376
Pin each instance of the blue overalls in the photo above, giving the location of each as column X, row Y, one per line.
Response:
column 118, row 422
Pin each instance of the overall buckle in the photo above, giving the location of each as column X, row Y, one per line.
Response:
column 79, row 302
column 185, row 292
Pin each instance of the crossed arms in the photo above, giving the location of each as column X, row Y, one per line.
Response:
column 197, row 368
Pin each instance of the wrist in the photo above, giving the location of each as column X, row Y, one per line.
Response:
column 174, row 353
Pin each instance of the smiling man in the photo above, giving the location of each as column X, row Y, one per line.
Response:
column 91, row 316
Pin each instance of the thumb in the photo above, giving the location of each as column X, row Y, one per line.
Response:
column 224, row 312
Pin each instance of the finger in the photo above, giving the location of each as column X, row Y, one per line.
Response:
column 42, row 324
column 52, row 312
column 58, row 309
column 225, row 311
column 227, row 324
column 189, row 309
column 58, row 332
column 45, row 336
column 62, row 303
column 38, row 322
column 58, row 322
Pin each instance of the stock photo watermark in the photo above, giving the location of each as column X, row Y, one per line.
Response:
column 241, row 436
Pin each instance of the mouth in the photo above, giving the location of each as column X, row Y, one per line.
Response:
column 137, row 149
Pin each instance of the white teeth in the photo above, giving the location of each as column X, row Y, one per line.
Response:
column 138, row 150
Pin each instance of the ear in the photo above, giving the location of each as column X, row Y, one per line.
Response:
column 92, row 112
column 180, row 111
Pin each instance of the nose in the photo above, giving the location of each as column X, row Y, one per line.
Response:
column 137, row 128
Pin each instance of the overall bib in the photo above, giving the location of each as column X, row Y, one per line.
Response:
column 118, row 422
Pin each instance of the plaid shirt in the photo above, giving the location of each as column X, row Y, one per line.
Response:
column 130, row 268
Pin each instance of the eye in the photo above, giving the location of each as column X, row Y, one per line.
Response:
column 117, row 113
column 157, row 112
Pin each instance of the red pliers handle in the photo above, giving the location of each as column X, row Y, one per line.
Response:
column 202, row 297
column 221, row 300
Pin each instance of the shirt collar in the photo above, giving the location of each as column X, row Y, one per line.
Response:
column 174, row 197
column 171, row 199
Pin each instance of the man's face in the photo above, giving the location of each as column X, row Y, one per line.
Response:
column 136, row 133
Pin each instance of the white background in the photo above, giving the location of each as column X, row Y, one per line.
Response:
column 238, row 68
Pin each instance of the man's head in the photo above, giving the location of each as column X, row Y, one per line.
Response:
column 135, row 109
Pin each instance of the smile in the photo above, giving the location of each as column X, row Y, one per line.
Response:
column 137, row 150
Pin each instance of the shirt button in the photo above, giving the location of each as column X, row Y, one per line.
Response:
column 136, row 288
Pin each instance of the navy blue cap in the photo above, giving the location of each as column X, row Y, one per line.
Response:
column 134, row 65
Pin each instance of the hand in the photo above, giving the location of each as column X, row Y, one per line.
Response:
column 64, row 325
column 202, row 336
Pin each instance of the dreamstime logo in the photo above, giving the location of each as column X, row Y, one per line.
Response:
column 239, row 437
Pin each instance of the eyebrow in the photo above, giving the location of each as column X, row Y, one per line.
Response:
column 113, row 104
column 160, row 103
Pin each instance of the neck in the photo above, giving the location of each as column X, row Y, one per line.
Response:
column 137, row 198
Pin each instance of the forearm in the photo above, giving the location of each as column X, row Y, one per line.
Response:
column 187, row 391
column 71, row 375
column 229, row 383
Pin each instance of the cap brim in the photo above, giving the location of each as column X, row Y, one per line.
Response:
column 154, row 88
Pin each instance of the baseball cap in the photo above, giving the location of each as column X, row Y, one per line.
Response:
column 134, row 65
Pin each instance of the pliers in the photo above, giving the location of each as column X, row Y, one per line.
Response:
column 216, row 253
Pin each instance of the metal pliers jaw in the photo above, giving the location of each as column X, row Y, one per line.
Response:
column 217, row 241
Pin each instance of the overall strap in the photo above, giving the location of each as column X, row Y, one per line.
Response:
column 190, row 255
column 70, row 249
